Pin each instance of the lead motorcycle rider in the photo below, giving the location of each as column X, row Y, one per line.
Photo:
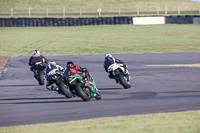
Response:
column 36, row 57
column 52, row 67
column 109, row 60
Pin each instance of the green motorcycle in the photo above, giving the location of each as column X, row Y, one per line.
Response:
column 83, row 87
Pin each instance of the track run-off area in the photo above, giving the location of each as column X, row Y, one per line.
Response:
column 161, row 82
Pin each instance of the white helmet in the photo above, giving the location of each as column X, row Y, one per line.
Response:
column 108, row 55
column 36, row 52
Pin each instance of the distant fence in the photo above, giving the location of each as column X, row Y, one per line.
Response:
column 97, row 11
column 37, row 22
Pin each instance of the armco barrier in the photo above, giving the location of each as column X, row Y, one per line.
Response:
column 35, row 22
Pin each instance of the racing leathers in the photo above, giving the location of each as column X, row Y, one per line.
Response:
column 50, row 70
column 111, row 60
column 73, row 70
column 36, row 58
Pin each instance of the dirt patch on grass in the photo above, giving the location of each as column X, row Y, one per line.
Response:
column 3, row 61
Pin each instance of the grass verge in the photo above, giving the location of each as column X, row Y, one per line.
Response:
column 99, row 39
column 181, row 122
column 3, row 61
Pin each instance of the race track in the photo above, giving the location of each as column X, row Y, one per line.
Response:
column 154, row 89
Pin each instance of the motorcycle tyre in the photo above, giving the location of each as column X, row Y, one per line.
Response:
column 81, row 93
column 40, row 78
column 98, row 97
column 64, row 90
column 123, row 81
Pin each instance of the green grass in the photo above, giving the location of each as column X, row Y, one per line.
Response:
column 99, row 39
column 90, row 6
column 91, row 3
column 182, row 122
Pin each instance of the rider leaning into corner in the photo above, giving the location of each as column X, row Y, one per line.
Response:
column 109, row 60
column 52, row 67
column 72, row 69
column 36, row 57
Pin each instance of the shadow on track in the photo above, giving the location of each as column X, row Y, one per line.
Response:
column 16, row 85
column 26, row 100
column 109, row 89
column 43, row 98
column 39, row 102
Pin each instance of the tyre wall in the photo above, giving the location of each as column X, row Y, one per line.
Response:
column 187, row 19
column 37, row 22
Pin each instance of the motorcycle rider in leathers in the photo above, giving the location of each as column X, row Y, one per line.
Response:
column 36, row 57
column 72, row 69
column 109, row 60
column 52, row 67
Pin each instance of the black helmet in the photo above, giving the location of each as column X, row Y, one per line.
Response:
column 69, row 63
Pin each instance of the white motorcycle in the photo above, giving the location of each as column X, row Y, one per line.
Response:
column 121, row 75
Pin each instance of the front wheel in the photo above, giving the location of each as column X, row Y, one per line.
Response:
column 123, row 81
column 64, row 90
column 41, row 78
column 83, row 92
column 98, row 96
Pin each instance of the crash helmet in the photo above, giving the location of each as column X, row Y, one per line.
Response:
column 51, row 62
column 108, row 55
column 36, row 52
column 69, row 63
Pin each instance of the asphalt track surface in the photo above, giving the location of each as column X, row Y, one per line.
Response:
column 154, row 89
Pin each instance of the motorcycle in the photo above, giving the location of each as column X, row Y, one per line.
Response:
column 39, row 72
column 120, row 75
column 83, row 87
column 56, row 77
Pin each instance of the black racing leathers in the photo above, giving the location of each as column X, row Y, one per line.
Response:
column 49, row 72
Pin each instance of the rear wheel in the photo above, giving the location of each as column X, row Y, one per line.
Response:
column 64, row 90
column 41, row 78
column 83, row 92
column 123, row 81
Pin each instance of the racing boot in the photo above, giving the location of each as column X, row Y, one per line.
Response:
column 53, row 88
column 117, row 80
column 48, row 88
column 47, row 85
column 35, row 73
column 111, row 76
column 73, row 93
